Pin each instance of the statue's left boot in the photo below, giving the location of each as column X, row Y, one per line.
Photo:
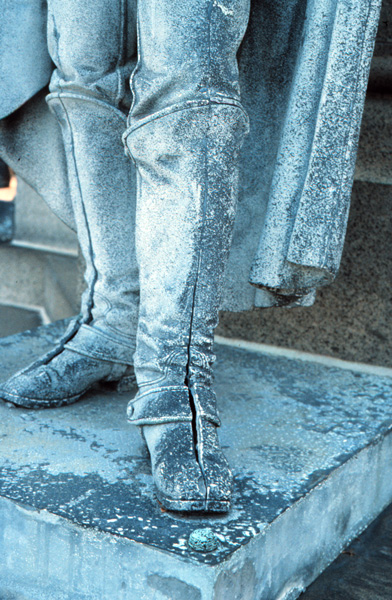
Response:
column 99, row 344
column 187, row 164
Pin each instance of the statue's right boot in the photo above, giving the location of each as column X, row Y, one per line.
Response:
column 187, row 163
column 98, row 345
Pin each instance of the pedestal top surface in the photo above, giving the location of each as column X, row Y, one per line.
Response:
column 287, row 424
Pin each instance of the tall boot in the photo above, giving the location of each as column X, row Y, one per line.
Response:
column 99, row 345
column 187, row 162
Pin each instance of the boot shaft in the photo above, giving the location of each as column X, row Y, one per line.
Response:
column 187, row 165
column 103, row 198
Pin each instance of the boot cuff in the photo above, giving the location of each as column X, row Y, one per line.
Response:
column 194, row 105
column 165, row 405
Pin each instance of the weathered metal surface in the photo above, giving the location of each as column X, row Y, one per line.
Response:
column 298, row 162
column 310, row 447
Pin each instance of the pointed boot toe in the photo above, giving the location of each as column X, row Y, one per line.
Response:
column 62, row 378
column 62, row 381
column 217, row 473
column 178, row 479
column 31, row 388
column 187, row 479
column 189, row 469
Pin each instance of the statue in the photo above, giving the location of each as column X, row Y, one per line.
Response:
column 154, row 316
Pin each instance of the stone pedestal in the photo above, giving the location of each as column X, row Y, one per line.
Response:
column 310, row 443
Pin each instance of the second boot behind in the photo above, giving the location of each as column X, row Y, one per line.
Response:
column 99, row 345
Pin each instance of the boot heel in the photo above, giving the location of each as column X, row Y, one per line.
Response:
column 125, row 384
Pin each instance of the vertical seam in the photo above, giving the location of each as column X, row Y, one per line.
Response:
column 196, row 418
column 121, row 52
column 137, row 67
column 209, row 14
column 90, row 246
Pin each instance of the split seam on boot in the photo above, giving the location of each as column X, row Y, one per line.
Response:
column 195, row 398
column 146, row 408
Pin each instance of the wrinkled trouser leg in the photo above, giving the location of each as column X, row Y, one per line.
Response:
column 92, row 44
column 186, row 128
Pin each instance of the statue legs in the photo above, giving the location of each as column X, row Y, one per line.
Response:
column 88, row 102
column 185, row 135
column 186, row 129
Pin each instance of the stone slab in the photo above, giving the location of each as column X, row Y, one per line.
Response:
column 37, row 224
column 63, row 283
column 37, row 277
column 22, row 273
column 363, row 571
column 380, row 80
column 310, row 446
column 374, row 156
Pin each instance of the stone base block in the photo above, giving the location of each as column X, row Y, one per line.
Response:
column 310, row 444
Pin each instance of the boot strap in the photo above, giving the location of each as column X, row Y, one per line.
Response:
column 95, row 343
column 205, row 403
column 161, row 405
column 168, row 405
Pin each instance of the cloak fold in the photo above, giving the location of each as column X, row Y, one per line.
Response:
column 310, row 150
column 25, row 64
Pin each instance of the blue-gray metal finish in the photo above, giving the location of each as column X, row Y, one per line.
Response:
column 186, row 126
column 303, row 74
column 311, row 450
column 189, row 139
column 185, row 140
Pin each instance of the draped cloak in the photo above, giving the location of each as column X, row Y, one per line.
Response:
column 304, row 66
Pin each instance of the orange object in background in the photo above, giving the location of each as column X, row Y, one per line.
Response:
column 8, row 193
